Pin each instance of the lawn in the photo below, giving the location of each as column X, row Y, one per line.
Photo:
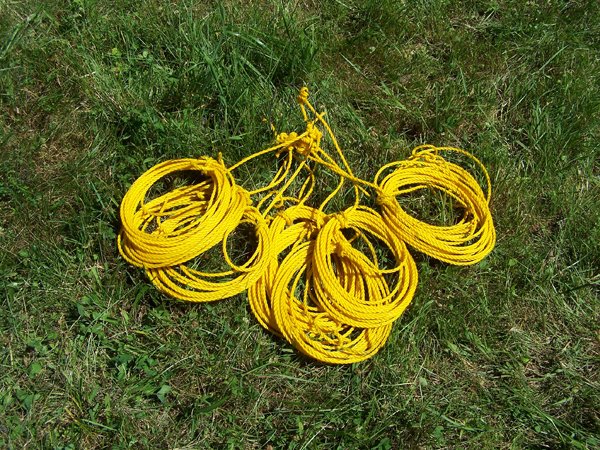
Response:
column 502, row 354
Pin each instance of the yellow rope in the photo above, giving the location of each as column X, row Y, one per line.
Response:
column 464, row 243
column 381, row 305
column 330, row 284
column 183, row 223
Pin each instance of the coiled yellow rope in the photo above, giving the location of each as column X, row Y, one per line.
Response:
column 464, row 243
column 380, row 305
column 182, row 223
column 314, row 278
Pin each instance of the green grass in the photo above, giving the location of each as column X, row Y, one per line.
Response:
column 504, row 354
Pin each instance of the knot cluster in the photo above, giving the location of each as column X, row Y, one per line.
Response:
column 305, row 144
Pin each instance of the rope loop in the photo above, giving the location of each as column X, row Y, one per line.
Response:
column 303, row 96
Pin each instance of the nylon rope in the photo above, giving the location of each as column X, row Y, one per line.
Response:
column 330, row 283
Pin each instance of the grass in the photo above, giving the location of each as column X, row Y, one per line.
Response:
column 504, row 354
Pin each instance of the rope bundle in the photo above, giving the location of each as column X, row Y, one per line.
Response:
column 330, row 284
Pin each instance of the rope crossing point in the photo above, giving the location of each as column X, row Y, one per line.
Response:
column 331, row 284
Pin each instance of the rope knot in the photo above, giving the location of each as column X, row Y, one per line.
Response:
column 424, row 150
column 319, row 222
column 278, row 202
column 340, row 248
column 426, row 153
column 145, row 211
column 261, row 227
column 305, row 145
column 384, row 199
column 342, row 219
column 314, row 133
column 245, row 195
column 310, row 142
column 285, row 216
column 284, row 137
column 303, row 96
column 340, row 340
column 199, row 164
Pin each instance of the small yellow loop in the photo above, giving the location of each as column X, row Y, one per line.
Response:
column 303, row 96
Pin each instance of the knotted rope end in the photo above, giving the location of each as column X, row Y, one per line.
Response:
column 303, row 96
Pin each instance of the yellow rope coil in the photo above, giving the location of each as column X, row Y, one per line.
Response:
column 381, row 305
column 311, row 329
column 288, row 228
column 319, row 280
column 464, row 243
column 183, row 223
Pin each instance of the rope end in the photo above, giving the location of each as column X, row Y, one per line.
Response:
column 303, row 96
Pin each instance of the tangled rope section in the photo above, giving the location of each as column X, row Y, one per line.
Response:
column 331, row 284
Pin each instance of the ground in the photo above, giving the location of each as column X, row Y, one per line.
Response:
column 503, row 354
